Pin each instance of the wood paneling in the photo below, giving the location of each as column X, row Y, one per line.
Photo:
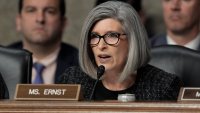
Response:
column 97, row 107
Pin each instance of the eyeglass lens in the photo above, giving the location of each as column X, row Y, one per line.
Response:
column 109, row 38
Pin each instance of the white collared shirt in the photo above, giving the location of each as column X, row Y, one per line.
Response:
column 50, row 67
column 194, row 44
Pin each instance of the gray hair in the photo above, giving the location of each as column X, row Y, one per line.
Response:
column 139, row 49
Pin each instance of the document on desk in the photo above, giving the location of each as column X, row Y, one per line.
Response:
column 48, row 92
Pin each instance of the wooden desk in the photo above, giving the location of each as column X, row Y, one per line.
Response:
column 97, row 107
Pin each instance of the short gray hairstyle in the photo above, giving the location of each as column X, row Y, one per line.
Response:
column 139, row 49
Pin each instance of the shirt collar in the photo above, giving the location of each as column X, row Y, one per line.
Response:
column 194, row 44
column 48, row 60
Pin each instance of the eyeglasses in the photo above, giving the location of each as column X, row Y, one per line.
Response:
column 110, row 38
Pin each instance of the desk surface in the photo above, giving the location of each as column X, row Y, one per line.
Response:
column 97, row 107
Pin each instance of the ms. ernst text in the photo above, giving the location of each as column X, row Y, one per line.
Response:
column 47, row 92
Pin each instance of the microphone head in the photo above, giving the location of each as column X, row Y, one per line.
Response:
column 100, row 71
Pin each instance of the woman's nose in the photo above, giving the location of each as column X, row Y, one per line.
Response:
column 102, row 44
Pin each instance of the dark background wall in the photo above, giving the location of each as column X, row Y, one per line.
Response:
column 76, row 12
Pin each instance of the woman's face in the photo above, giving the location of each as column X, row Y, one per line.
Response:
column 112, row 56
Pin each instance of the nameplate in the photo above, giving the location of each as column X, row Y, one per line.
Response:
column 48, row 92
column 189, row 94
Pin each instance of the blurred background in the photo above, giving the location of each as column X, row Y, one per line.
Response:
column 76, row 13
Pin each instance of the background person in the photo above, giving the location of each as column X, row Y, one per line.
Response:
column 182, row 21
column 42, row 22
column 114, row 36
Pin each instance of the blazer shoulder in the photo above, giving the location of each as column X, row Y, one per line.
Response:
column 158, row 40
column 68, row 54
column 151, row 73
column 17, row 45
column 68, row 47
column 158, row 84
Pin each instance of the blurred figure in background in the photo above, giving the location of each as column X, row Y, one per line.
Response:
column 42, row 23
column 182, row 19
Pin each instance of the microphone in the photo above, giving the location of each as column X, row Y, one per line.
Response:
column 100, row 72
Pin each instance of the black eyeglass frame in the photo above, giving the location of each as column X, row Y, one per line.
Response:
column 103, row 36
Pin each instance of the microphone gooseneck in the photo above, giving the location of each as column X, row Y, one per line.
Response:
column 100, row 72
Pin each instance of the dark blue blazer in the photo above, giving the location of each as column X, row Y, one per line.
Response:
column 161, row 40
column 67, row 57
column 158, row 40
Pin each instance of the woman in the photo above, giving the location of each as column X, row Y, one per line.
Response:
column 114, row 37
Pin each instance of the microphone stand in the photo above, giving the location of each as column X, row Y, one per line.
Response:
column 100, row 71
